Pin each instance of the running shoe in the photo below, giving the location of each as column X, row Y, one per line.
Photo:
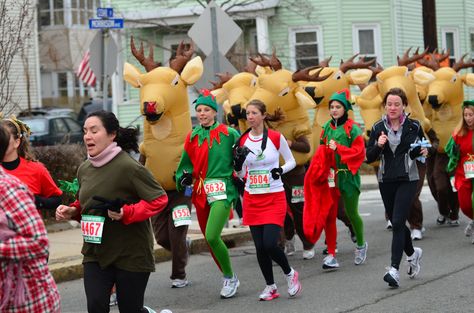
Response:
column 229, row 288
column 308, row 254
column 330, row 262
column 441, row 220
column 451, row 222
column 414, row 262
column 360, row 254
column 179, row 283
column 269, row 293
column 113, row 299
column 392, row 277
column 469, row 229
column 389, row 225
column 294, row 285
column 290, row 246
column 416, row 234
column 150, row 310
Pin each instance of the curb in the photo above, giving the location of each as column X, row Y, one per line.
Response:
column 71, row 269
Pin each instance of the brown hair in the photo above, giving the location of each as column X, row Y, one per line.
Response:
column 4, row 141
column 278, row 116
column 462, row 128
column 396, row 92
column 15, row 130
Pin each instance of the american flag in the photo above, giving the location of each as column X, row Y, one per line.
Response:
column 84, row 72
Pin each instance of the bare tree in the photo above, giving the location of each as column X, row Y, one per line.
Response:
column 16, row 21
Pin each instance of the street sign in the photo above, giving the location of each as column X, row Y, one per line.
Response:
column 96, row 56
column 105, row 12
column 109, row 23
column 227, row 30
column 209, row 73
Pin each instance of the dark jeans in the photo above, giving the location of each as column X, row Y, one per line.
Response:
column 398, row 198
column 130, row 288
column 265, row 238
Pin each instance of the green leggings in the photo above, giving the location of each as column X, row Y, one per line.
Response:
column 351, row 204
column 218, row 216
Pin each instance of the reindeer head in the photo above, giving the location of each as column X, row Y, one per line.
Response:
column 163, row 89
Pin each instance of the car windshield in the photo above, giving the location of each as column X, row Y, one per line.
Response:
column 37, row 125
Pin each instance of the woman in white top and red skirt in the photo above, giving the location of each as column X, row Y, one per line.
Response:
column 256, row 158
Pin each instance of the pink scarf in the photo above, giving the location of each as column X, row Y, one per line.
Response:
column 105, row 156
column 12, row 286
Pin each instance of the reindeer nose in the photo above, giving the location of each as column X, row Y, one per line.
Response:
column 433, row 100
column 150, row 107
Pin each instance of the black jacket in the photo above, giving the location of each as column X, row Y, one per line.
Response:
column 398, row 166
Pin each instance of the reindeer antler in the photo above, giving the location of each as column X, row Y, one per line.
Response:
column 405, row 60
column 350, row 64
column 459, row 65
column 183, row 55
column 223, row 78
column 147, row 62
column 431, row 63
column 261, row 60
column 250, row 67
column 274, row 62
column 325, row 62
column 303, row 75
column 376, row 70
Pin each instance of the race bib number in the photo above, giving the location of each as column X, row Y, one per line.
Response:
column 297, row 194
column 469, row 169
column 259, row 181
column 451, row 180
column 215, row 189
column 181, row 215
column 332, row 178
column 92, row 227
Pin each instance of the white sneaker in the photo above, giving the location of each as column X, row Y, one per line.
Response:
column 451, row 222
column 113, row 299
column 469, row 229
column 269, row 293
column 330, row 262
column 308, row 254
column 389, row 225
column 290, row 246
column 179, row 283
column 416, row 234
column 392, row 277
column 294, row 285
column 150, row 310
column 229, row 288
column 360, row 254
column 414, row 262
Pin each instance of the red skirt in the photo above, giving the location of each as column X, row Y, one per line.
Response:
column 268, row 208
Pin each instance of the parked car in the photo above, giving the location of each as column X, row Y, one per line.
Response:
column 89, row 107
column 48, row 111
column 48, row 130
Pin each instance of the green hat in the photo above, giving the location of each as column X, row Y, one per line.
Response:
column 206, row 98
column 468, row 103
column 343, row 97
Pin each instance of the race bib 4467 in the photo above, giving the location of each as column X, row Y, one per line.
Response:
column 92, row 227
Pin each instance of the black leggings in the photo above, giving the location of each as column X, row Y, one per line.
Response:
column 130, row 288
column 398, row 198
column 266, row 238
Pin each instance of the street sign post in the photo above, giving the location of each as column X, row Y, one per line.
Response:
column 214, row 33
column 103, row 59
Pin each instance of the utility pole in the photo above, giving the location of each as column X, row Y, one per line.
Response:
column 429, row 24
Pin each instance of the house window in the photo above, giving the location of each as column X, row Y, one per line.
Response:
column 306, row 47
column 366, row 42
column 472, row 49
column 450, row 42
column 51, row 12
column 82, row 11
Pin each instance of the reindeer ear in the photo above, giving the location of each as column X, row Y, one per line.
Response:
column 131, row 75
column 468, row 79
column 360, row 76
column 422, row 77
column 192, row 72
column 220, row 94
column 304, row 99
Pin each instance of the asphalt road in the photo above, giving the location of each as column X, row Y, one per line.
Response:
column 445, row 283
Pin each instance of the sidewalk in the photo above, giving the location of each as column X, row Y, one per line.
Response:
column 65, row 259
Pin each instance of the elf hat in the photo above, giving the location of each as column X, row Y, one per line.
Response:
column 343, row 97
column 206, row 98
column 468, row 103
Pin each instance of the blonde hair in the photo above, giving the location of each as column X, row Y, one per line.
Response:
column 21, row 131
column 462, row 128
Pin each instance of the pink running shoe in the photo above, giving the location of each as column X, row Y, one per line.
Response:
column 269, row 293
column 294, row 285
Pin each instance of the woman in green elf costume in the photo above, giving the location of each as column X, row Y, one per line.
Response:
column 208, row 162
